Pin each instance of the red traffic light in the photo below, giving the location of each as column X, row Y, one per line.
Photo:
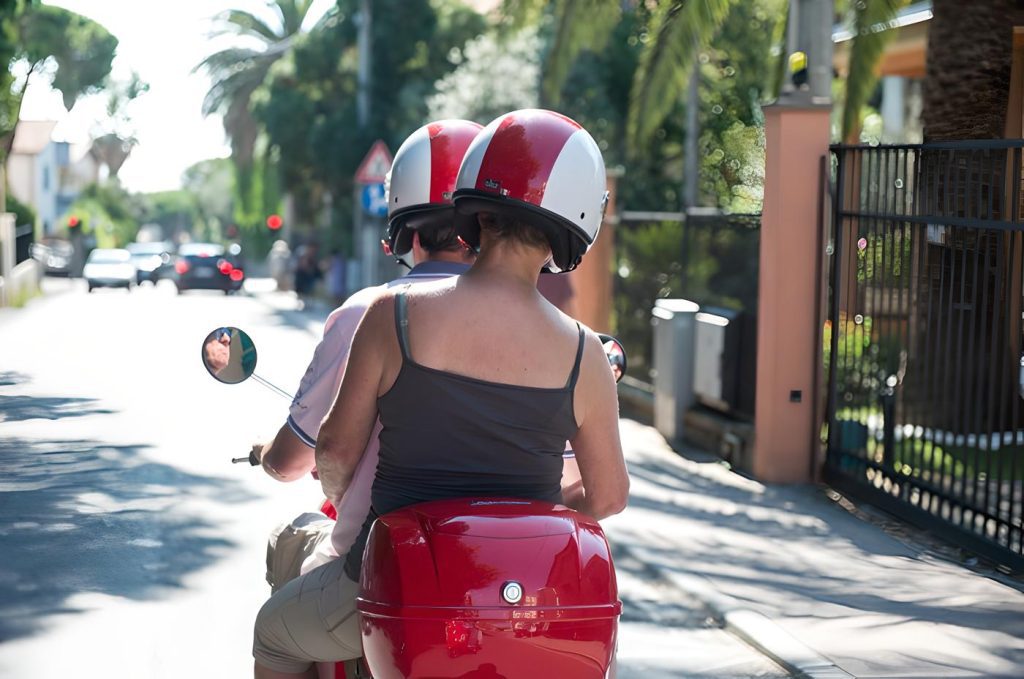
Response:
column 274, row 222
column 73, row 221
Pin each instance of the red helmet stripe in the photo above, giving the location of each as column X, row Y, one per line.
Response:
column 519, row 158
column 448, row 144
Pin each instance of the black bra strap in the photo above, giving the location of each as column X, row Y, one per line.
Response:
column 402, row 323
column 579, row 359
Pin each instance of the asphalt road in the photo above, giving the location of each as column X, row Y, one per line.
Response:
column 131, row 547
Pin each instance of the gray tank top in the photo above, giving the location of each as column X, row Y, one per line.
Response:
column 446, row 435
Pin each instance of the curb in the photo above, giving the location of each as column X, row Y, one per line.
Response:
column 755, row 629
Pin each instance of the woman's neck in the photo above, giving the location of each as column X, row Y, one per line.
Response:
column 512, row 265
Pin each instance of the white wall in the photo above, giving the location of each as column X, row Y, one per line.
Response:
column 21, row 174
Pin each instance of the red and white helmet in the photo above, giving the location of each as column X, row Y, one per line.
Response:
column 539, row 167
column 422, row 178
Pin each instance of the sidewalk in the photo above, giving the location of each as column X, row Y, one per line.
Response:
column 795, row 574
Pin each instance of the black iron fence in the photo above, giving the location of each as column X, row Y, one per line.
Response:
column 924, row 345
column 24, row 237
column 706, row 256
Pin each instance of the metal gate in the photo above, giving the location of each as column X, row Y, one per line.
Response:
column 923, row 344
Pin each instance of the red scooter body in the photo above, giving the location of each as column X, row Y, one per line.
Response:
column 488, row 588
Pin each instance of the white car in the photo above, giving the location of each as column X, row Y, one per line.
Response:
column 110, row 268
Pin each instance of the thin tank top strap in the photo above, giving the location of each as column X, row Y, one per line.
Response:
column 571, row 384
column 402, row 322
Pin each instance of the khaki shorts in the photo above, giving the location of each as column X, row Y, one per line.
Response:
column 311, row 619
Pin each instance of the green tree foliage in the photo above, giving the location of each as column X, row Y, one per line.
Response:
column 210, row 183
column 649, row 268
column 23, row 214
column 81, row 49
column 414, row 42
column 107, row 213
column 10, row 97
column 175, row 211
column 735, row 68
column 114, row 136
column 77, row 52
column 493, row 75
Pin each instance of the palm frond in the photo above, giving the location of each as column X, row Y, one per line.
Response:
column 579, row 24
column 677, row 28
column 293, row 13
column 234, row 86
column 236, row 21
column 872, row 30
column 778, row 72
column 228, row 60
column 518, row 14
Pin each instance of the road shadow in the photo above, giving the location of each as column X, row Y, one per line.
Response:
column 648, row 598
column 18, row 408
column 83, row 516
column 9, row 378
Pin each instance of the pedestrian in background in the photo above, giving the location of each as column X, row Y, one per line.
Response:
column 307, row 273
column 336, row 270
column 277, row 261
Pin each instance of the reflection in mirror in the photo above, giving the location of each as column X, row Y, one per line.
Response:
column 229, row 355
column 616, row 354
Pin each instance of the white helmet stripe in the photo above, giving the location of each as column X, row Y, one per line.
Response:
column 576, row 185
column 410, row 175
column 475, row 157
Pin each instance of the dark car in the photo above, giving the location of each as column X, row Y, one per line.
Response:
column 206, row 266
column 153, row 261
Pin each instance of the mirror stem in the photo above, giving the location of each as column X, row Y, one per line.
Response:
column 278, row 390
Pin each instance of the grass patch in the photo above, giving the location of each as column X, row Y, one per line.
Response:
column 916, row 456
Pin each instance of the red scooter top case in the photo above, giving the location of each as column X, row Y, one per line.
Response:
column 487, row 588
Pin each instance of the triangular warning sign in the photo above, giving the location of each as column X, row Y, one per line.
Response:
column 375, row 165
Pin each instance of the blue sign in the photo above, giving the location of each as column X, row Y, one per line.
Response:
column 375, row 200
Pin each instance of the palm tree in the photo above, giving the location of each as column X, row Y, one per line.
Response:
column 676, row 30
column 679, row 25
column 578, row 24
column 237, row 72
column 967, row 83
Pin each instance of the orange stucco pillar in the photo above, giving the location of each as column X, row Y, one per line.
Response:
column 796, row 138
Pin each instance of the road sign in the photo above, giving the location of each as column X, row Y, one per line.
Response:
column 375, row 201
column 375, row 165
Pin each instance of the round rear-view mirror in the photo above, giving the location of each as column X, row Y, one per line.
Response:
column 616, row 354
column 229, row 355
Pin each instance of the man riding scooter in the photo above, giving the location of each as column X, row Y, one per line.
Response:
column 478, row 384
column 420, row 186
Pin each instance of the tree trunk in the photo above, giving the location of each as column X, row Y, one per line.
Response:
column 970, row 51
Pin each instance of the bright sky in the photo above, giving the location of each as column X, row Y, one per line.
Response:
column 162, row 41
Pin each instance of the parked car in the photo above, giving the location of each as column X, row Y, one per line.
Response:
column 110, row 268
column 152, row 261
column 54, row 255
column 206, row 266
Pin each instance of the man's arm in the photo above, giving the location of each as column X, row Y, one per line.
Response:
column 285, row 457
column 346, row 430
column 290, row 454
